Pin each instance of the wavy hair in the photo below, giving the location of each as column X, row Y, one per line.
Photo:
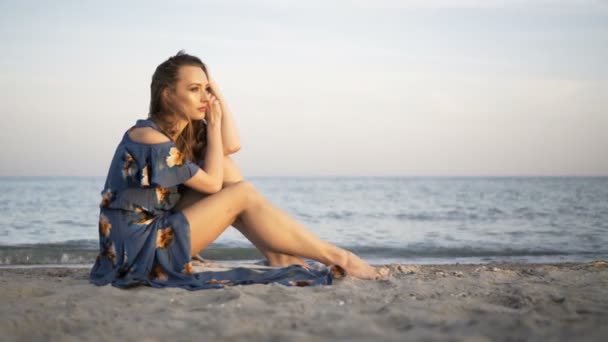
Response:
column 166, row 112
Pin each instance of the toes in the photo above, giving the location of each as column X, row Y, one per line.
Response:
column 383, row 273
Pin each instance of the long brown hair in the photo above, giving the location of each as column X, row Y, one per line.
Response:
column 165, row 112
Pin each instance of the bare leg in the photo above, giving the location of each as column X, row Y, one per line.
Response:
column 266, row 226
column 274, row 258
column 278, row 237
column 232, row 175
column 278, row 232
column 210, row 217
column 190, row 197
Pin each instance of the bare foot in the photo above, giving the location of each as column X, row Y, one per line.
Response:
column 358, row 268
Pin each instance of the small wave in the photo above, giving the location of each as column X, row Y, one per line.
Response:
column 471, row 214
column 30, row 256
column 337, row 215
column 529, row 213
column 451, row 215
column 73, row 223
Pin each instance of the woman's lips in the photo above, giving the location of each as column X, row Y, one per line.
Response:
column 202, row 109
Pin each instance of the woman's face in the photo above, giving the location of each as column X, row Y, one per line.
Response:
column 192, row 91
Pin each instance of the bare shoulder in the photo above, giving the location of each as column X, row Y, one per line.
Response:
column 147, row 135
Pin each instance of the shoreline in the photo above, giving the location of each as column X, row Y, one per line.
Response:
column 374, row 262
column 462, row 302
column 56, row 256
column 499, row 260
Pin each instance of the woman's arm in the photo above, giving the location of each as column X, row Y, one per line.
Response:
column 230, row 136
column 209, row 178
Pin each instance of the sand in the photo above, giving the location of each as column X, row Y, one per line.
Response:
column 496, row 302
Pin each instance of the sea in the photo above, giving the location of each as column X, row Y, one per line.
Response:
column 415, row 220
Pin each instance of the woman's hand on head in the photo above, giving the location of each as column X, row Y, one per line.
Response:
column 214, row 114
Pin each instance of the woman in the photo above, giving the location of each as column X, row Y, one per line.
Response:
column 159, row 208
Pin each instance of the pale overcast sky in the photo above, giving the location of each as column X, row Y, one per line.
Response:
column 369, row 88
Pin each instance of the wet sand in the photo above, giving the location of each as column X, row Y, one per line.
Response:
column 496, row 302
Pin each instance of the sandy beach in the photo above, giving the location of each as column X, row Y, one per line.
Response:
column 492, row 302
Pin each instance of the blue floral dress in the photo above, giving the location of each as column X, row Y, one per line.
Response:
column 143, row 242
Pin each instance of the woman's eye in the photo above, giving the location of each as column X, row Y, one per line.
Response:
column 208, row 89
column 194, row 89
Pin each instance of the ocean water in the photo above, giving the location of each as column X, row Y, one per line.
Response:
column 384, row 219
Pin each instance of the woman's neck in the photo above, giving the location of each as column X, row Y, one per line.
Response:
column 179, row 127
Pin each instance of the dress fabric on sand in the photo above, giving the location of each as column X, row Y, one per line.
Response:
column 142, row 241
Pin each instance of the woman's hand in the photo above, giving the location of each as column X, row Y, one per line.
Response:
column 214, row 113
column 230, row 135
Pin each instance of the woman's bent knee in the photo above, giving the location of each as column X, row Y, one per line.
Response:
column 245, row 190
column 243, row 185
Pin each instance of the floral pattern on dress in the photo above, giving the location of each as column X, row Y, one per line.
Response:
column 145, row 217
column 161, row 194
column 104, row 225
column 106, row 198
column 175, row 158
column 164, row 237
column 158, row 273
column 110, row 253
column 145, row 172
column 129, row 166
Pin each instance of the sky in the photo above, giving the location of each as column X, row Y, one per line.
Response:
column 318, row 88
